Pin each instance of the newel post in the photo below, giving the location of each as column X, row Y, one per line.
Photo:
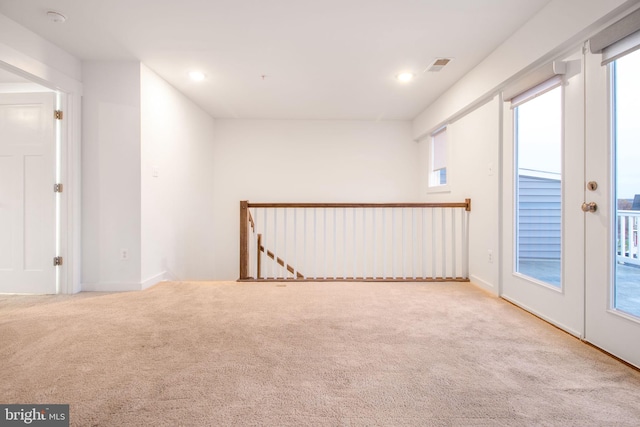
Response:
column 244, row 240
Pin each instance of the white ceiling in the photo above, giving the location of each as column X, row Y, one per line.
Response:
column 323, row 59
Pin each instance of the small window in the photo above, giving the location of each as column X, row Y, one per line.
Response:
column 438, row 169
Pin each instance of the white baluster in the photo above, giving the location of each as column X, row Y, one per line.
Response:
column 275, row 243
column 364, row 243
column 324, row 243
column 413, row 243
column 355, row 245
column 393, row 243
column 453, row 244
column 404, row 256
column 424, row 243
column 256, row 249
column 465, row 245
column 304, row 240
column 284, row 256
column 433, row 243
column 315, row 244
column 444, row 243
column 295, row 243
column 344, row 243
column 266, row 263
column 375, row 254
column 384, row 243
column 335, row 244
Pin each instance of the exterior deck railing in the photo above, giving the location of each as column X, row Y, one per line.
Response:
column 354, row 241
column 627, row 233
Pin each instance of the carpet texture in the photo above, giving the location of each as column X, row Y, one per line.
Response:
column 308, row 354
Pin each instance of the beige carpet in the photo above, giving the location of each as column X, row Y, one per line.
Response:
column 326, row 354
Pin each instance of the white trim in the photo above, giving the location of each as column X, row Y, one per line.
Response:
column 440, row 188
column 481, row 283
column 71, row 90
column 153, row 280
column 111, row 287
column 125, row 286
column 545, row 318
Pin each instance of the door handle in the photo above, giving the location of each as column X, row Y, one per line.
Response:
column 589, row 207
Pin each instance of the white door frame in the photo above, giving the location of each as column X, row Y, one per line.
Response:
column 71, row 90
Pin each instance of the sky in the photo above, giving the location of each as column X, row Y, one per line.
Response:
column 628, row 125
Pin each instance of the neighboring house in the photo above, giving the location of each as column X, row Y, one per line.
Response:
column 539, row 216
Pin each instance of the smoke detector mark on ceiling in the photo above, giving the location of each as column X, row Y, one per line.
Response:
column 56, row 17
column 438, row 64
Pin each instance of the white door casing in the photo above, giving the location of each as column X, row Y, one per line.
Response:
column 27, row 199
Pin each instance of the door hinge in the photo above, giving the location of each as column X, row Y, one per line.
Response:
column 58, row 114
column 57, row 261
column 57, row 188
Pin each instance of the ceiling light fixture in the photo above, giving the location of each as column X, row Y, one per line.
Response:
column 405, row 77
column 196, row 76
column 56, row 17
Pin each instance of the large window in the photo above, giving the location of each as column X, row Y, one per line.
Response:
column 438, row 169
column 538, row 182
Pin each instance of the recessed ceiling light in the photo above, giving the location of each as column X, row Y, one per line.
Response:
column 56, row 16
column 196, row 76
column 405, row 77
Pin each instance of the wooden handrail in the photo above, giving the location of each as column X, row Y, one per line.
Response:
column 466, row 205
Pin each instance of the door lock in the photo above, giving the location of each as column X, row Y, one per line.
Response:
column 592, row 186
column 589, row 207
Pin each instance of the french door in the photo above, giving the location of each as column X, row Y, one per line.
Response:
column 571, row 202
column 543, row 224
column 612, row 256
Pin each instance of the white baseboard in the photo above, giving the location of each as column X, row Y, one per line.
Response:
column 110, row 287
column 483, row 284
column 153, row 280
column 123, row 286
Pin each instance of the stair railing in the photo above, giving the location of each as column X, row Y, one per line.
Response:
column 354, row 241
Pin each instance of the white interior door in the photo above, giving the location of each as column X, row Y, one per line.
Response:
column 613, row 162
column 543, row 225
column 27, row 199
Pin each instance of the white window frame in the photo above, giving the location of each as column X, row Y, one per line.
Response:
column 433, row 176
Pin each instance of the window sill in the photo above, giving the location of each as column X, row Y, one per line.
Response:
column 439, row 189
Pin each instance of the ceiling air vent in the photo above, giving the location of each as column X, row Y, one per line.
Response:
column 438, row 64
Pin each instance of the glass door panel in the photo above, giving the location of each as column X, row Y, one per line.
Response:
column 626, row 132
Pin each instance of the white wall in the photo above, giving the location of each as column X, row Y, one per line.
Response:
column 557, row 27
column 306, row 161
column 474, row 143
column 178, row 203
column 111, row 176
